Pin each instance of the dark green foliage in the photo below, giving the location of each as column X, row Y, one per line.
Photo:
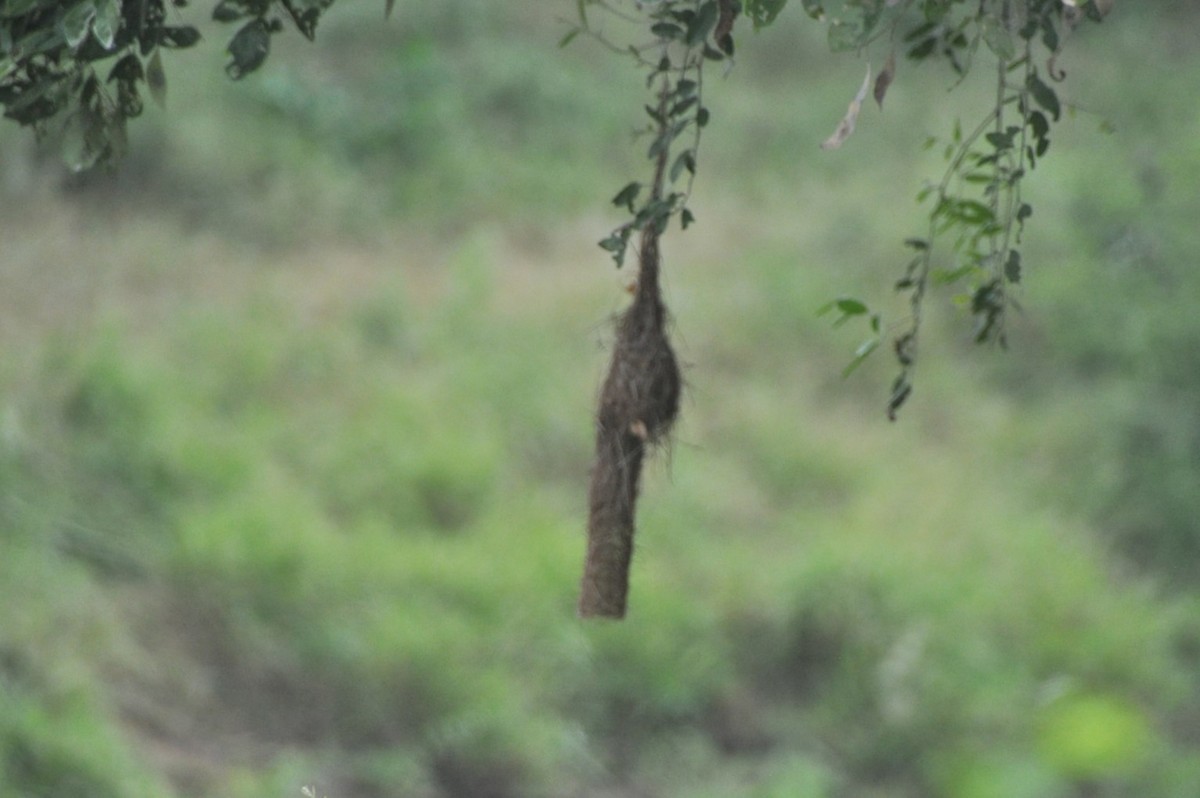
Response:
column 249, row 48
column 687, row 34
column 49, row 56
column 978, row 203
column 50, row 53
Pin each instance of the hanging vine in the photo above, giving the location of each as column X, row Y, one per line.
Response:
column 977, row 213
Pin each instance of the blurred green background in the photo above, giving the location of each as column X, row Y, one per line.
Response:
column 295, row 427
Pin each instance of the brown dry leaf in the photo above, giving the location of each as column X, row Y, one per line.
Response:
column 846, row 127
column 723, row 32
column 885, row 78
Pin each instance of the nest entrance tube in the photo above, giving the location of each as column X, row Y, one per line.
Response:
column 638, row 404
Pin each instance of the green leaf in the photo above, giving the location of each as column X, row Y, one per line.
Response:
column 76, row 23
column 248, row 48
column 1043, row 95
column 901, row 390
column 683, row 16
column 229, row 11
column 655, row 114
column 1039, row 125
column 851, row 306
column 971, row 212
column 613, row 243
column 107, row 22
column 1001, row 141
column 863, row 351
column 1050, row 36
column 627, row 195
column 923, row 50
column 616, row 244
column 388, row 5
column 1012, row 266
column 702, row 25
column 685, row 160
column 306, row 14
column 998, row 40
column 847, row 307
column 179, row 37
column 686, row 217
column 984, row 298
column 682, row 106
column 128, row 69
column 667, row 30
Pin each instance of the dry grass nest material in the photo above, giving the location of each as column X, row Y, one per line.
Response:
column 639, row 402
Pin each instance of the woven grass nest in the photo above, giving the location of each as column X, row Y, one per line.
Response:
column 639, row 402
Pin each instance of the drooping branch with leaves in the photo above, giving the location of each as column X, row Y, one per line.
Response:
column 976, row 210
column 75, row 70
column 977, row 213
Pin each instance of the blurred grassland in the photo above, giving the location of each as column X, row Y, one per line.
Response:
column 295, row 424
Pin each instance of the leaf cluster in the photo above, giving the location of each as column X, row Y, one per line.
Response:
column 259, row 19
column 678, row 110
column 683, row 35
column 75, row 71
column 50, row 54
column 976, row 211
